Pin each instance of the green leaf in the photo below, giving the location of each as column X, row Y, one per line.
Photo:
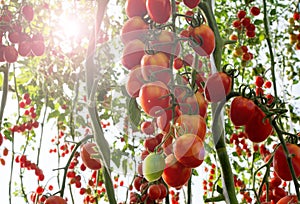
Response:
column 134, row 113
column 258, row 22
column 273, row 12
column 124, row 166
column 53, row 114
column 7, row 134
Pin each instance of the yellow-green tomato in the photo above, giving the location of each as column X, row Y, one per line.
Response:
column 153, row 166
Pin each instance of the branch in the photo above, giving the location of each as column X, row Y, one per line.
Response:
column 4, row 91
column 266, row 25
column 220, row 146
column 90, row 67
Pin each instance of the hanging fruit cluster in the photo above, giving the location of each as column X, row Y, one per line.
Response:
column 15, row 41
column 174, row 102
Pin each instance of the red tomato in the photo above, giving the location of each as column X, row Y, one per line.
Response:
column 241, row 110
column 159, row 10
column 10, row 54
column 147, row 127
column 290, row 199
column 132, row 54
column 163, row 121
column 156, row 67
column 154, row 191
column 150, row 143
column 175, row 174
column 193, row 124
column 55, row 200
column 133, row 28
column 154, row 98
column 135, row 8
column 191, row 3
column 217, row 86
column 163, row 191
column 135, row 82
column 38, row 47
column 194, row 104
column 86, row 152
column 164, row 43
column 258, row 128
column 204, row 39
column 189, row 150
column 281, row 165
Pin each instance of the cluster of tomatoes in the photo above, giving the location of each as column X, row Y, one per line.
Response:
column 12, row 35
column 294, row 30
column 29, row 115
column 243, row 22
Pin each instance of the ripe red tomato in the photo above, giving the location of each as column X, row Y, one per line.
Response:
column 55, row 200
column 38, row 47
column 153, row 167
column 156, row 67
column 163, row 121
column 135, row 8
column 10, row 54
column 147, row 127
column 28, row 12
column 281, row 165
column 175, row 174
column 24, row 48
column 241, row 110
column 154, row 98
column 217, row 86
column 86, row 152
column 194, row 104
column 191, row 3
column 193, row 124
column 133, row 28
column 290, row 199
column 132, row 54
column 159, row 10
column 204, row 39
column 134, row 82
column 255, row 11
column 189, row 150
column 154, row 191
column 258, row 128
column 150, row 143
column 164, row 43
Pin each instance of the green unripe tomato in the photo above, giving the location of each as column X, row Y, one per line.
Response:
column 153, row 166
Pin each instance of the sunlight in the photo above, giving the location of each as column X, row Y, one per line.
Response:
column 70, row 26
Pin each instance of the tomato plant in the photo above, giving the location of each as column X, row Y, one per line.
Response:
column 150, row 100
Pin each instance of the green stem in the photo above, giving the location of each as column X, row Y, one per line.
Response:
column 268, row 38
column 189, row 190
column 4, row 91
column 214, row 199
column 91, row 84
column 220, row 146
column 62, row 189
